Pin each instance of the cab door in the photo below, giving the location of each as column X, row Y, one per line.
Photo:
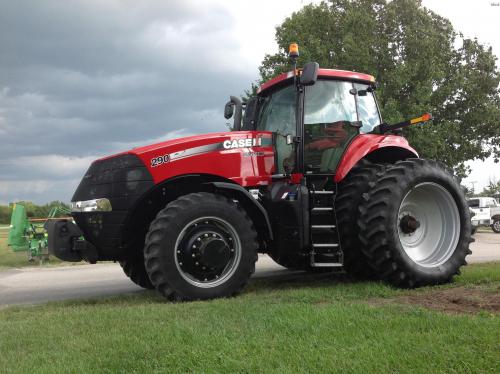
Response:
column 330, row 123
column 277, row 114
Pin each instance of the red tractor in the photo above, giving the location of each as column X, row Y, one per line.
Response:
column 309, row 174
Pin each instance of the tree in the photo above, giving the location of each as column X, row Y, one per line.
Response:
column 413, row 53
column 492, row 189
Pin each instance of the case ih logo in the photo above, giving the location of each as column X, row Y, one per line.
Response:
column 242, row 143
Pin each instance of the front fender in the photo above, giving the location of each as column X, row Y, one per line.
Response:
column 254, row 209
column 379, row 148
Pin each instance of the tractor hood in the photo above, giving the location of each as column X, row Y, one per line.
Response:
column 246, row 157
column 114, row 185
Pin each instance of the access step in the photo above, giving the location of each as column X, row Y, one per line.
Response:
column 321, row 192
column 331, row 260
column 322, row 209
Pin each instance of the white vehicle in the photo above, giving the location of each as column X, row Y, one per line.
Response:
column 486, row 212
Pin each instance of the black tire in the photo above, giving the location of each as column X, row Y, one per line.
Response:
column 350, row 192
column 496, row 225
column 473, row 231
column 380, row 224
column 176, row 225
column 133, row 267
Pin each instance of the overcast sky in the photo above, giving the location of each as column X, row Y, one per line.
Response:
column 80, row 79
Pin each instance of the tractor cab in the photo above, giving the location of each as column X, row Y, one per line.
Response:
column 314, row 115
column 333, row 111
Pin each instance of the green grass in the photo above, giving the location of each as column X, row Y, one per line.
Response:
column 308, row 324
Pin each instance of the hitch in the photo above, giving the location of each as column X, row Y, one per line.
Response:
column 66, row 242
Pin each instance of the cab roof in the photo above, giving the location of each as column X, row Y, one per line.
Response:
column 325, row 73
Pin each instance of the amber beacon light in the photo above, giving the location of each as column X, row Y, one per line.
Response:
column 293, row 50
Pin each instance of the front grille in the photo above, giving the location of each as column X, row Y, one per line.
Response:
column 123, row 180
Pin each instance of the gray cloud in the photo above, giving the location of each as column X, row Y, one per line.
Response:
column 80, row 79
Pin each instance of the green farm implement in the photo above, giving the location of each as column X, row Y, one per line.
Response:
column 29, row 234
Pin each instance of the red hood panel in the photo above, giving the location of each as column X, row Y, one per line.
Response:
column 246, row 157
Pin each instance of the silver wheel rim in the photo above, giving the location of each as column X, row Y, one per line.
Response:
column 208, row 227
column 429, row 224
column 496, row 225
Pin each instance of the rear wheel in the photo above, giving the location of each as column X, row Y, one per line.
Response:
column 350, row 193
column 200, row 246
column 496, row 225
column 415, row 224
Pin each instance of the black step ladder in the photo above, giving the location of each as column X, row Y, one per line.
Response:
column 325, row 242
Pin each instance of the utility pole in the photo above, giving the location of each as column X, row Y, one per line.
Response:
column 473, row 187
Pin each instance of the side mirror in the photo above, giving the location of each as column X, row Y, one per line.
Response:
column 228, row 110
column 289, row 139
column 309, row 74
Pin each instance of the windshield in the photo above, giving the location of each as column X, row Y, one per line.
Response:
column 277, row 112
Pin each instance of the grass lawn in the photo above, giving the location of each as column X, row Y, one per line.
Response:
column 309, row 323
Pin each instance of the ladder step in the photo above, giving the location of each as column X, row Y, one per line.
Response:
column 322, row 192
column 325, row 245
column 322, row 209
column 322, row 227
column 326, row 264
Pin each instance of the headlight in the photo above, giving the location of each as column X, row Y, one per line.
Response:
column 95, row 205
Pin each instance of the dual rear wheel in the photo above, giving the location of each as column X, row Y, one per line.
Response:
column 414, row 224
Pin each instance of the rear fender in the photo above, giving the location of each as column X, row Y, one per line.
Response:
column 375, row 148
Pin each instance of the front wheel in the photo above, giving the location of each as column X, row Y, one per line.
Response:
column 133, row 267
column 415, row 224
column 200, row 246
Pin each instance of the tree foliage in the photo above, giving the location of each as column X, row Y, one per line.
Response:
column 492, row 189
column 421, row 62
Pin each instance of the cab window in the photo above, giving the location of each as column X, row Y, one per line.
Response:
column 277, row 114
column 329, row 124
column 367, row 108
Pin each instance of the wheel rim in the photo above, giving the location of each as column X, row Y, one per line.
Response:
column 496, row 225
column 207, row 252
column 429, row 224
